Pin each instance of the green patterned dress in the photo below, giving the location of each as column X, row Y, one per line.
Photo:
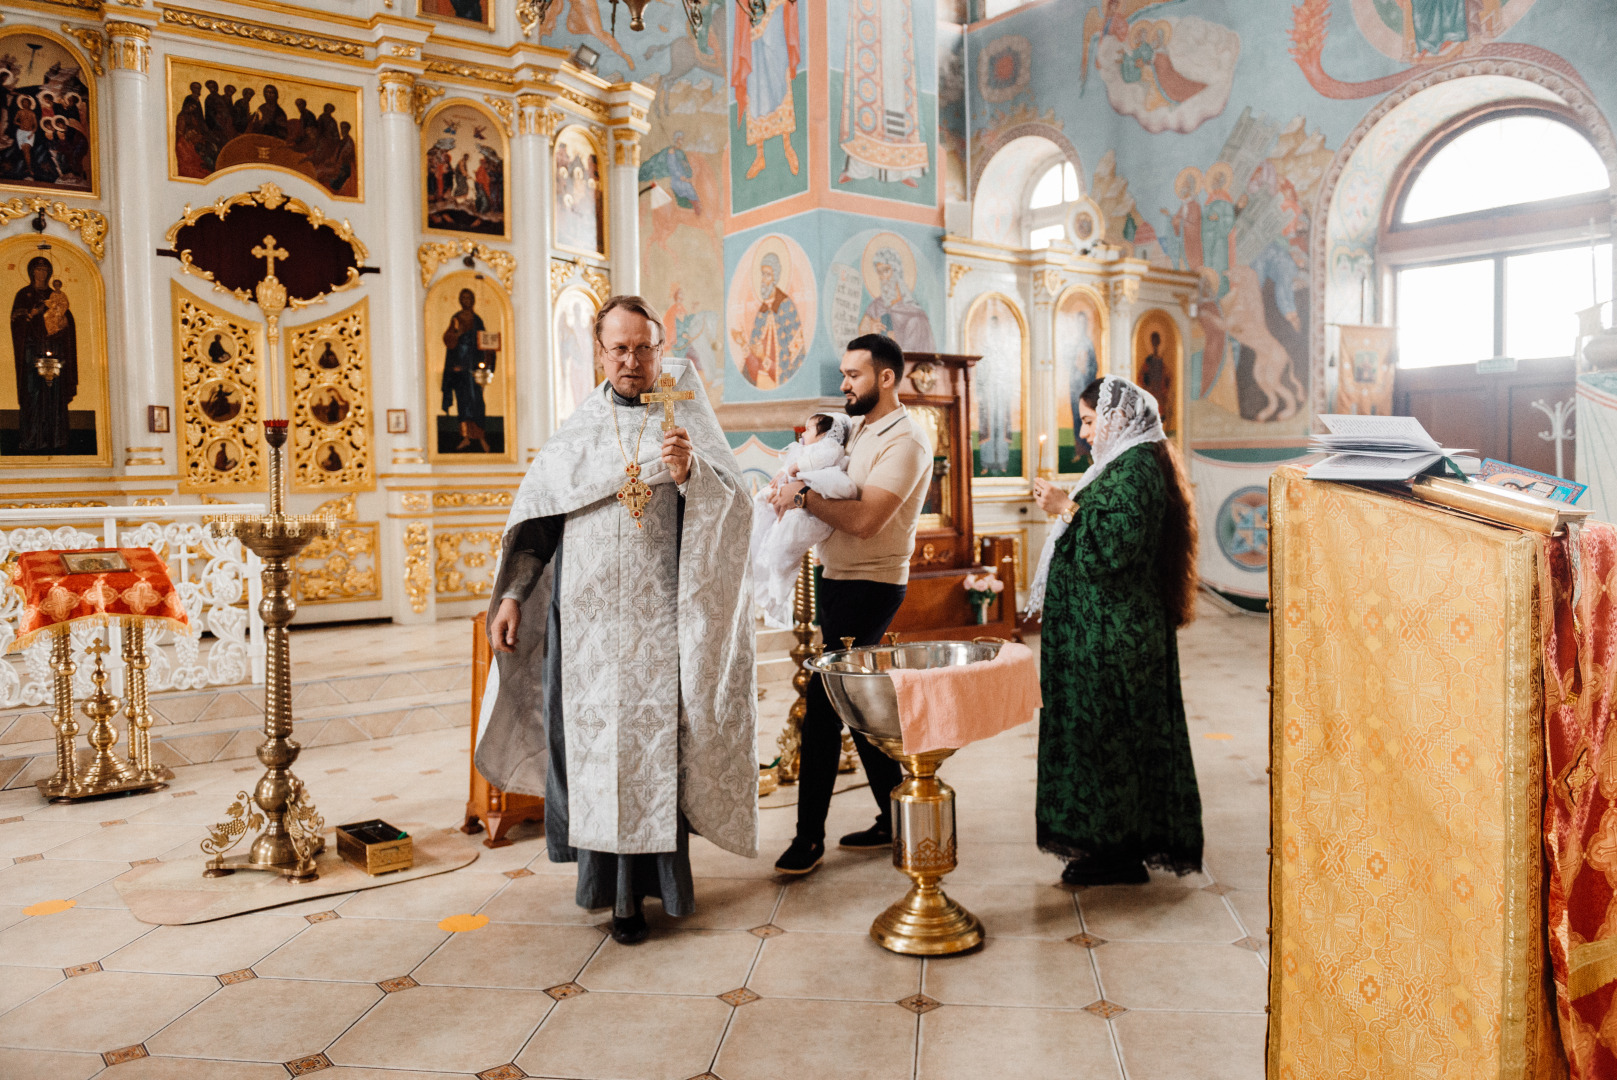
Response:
column 1116, row 781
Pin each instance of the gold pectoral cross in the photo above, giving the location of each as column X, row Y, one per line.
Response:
column 666, row 396
column 634, row 495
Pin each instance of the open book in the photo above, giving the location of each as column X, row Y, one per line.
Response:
column 1374, row 448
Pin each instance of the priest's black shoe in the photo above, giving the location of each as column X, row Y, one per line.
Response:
column 800, row 858
column 631, row 930
column 1091, row 872
column 879, row 835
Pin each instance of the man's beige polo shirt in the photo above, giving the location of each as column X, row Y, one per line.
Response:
column 891, row 454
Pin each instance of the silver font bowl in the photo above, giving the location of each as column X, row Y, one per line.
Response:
column 856, row 679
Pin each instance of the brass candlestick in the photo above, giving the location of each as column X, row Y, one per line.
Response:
column 790, row 740
column 291, row 828
column 103, row 773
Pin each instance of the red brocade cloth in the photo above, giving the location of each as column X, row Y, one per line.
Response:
column 53, row 597
column 1580, row 808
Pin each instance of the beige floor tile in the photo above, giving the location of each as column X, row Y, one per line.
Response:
column 429, row 898
column 10, row 915
column 29, row 837
column 542, row 898
column 629, row 1037
column 709, row 860
column 18, row 984
column 1185, row 977
column 1191, row 1046
column 211, row 948
column 1043, row 911
column 54, row 879
column 358, row 950
column 76, row 936
column 973, row 1043
column 49, row 1065
column 1014, row 971
column 443, row 1028
column 1156, row 913
column 175, row 1068
column 289, row 1019
column 1003, row 864
column 834, row 1040
column 1240, row 867
column 674, row 962
column 1253, row 908
column 344, row 1072
column 309, row 907
column 724, row 904
column 848, row 966
column 102, row 1011
column 821, row 902
column 523, row 957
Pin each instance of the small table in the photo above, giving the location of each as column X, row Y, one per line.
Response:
column 127, row 587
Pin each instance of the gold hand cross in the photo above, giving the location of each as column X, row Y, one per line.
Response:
column 269, row 252
column 665, row 397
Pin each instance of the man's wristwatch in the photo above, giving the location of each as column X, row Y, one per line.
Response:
column 800, row 498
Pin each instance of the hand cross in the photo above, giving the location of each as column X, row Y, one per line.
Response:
column 666, row 396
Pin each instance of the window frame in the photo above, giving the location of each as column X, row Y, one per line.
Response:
column 1055, row 214
column 1494, row 234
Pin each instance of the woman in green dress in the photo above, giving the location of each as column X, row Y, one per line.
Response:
column 1117, row 788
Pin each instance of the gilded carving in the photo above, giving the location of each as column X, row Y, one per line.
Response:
column 447, row 500
column 598, row 281
column 625, row 146
column 269, row 195
column 417, row 568
column 956, row 272
column 415, row 502
column 270, row 35
column 433, row 255
column 537, row 117
column 330, row 397
column 130, row 51
column 91, row 224
column 588, row 106
column 404, row 49
column 340, row 568
column 1124, row 291
column 474, row 72
column 92, row 41
column 1047, row 284
column 464, row 565
column 422, row 95
column 217, row 366
column 564, row 273
column 560, row 273
column 506, row 109
column 396, row 91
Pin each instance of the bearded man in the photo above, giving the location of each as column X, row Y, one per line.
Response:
column 625, row 688
column 892, row 313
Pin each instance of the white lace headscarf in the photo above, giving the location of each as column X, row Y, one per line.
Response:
column 1125, row 417
column 839, row 427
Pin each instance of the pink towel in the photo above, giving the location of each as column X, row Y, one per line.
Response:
column 948, row 707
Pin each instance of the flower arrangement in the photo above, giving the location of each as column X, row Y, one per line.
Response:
column 981, row 589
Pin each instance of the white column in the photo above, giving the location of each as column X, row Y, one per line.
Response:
column 625, row 200
column 398, row 330
column 1124, row 291
column 1047, row 285
column 134, row 373
column 531, row 180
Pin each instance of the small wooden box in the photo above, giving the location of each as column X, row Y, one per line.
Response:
column 375, row 846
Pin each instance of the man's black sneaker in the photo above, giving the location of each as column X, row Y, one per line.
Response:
column 800, row 858
column 631, row 930
column 1088, row 872
column 877, row 836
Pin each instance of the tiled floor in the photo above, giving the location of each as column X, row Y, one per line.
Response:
column 769, row 980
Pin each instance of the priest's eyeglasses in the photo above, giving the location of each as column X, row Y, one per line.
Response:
column 643, row 354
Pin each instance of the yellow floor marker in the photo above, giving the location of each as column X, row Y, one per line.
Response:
column 459, row 924
column 49, row 907
column 1217, row 735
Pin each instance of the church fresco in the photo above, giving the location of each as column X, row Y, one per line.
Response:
column 1159, row 367
column 1170, row 73
column 578, row 371
column 772, row 308
column 579, row 193
column 463, row 164
column 883, row 99
column 467, row 319
column 47, row 115
column 994, row 331
column 53, row 376
column 225, row 118
column 768, row 79
column 1080, row 337
column 876, row 285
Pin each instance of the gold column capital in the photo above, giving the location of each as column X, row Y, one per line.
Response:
column 396, row 91
column 626, row 146
column 536, row 116
column 130, row 50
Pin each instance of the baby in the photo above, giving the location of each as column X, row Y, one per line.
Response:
column 819, row 459
column 56, row 309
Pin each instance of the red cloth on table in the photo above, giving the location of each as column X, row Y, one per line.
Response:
column 945, row 708
column 1580, row 806
column 53, row 597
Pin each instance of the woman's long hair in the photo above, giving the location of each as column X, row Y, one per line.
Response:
column 1177, row 580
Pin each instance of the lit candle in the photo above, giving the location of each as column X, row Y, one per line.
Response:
column 1042, row 437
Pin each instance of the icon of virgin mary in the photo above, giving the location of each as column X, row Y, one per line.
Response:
column 44, row 347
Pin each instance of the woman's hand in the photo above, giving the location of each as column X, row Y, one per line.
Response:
column 1051, row 499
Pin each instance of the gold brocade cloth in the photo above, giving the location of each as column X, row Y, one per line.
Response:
column 1407, row 756
column 97, row 585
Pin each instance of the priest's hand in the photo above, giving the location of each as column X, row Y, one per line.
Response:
column 1051, row 499
column 677, row 454
column 503, row 634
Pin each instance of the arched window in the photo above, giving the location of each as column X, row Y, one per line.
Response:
column 1047, row 204
column 1497, row 235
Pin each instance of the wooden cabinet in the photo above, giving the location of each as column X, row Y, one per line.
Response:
column 937, row 392
column 487, row 806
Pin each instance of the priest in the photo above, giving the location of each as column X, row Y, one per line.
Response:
column 624, row 688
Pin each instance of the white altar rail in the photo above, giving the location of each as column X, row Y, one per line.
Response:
column 215, row 576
